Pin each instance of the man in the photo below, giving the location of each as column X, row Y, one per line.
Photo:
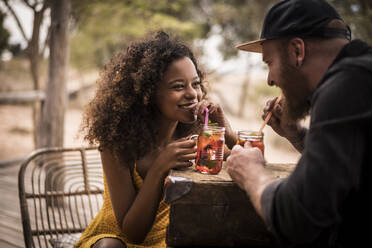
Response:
column 325, row 201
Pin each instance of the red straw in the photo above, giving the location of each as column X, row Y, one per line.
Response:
column 206, row 117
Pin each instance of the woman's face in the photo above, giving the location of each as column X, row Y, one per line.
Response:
column 180, row 91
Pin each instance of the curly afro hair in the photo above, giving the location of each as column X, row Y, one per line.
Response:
column 122, row 115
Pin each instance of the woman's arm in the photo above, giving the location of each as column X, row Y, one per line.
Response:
column 135, row 213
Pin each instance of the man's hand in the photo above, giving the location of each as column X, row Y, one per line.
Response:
column 293, row 132
column 246, row 167
column 243, row 164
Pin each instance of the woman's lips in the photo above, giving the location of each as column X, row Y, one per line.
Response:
column 188, row 106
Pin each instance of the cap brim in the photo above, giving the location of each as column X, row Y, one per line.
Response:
column 252, row 46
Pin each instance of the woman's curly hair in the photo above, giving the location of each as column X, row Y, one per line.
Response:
column 122, row 116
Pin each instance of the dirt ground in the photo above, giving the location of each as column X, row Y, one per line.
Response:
column 16, row 130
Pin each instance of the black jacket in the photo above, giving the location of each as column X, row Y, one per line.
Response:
column 325, row 201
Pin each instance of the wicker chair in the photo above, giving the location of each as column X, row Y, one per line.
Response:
column 60, row 191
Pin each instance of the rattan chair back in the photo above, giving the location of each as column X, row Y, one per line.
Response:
column 60, row 191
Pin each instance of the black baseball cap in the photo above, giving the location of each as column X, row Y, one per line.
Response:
column 297, row 18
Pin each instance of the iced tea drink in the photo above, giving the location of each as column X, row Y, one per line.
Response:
column 254, row 138
column 210, row 150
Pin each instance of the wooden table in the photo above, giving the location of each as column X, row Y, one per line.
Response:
column 211, row 210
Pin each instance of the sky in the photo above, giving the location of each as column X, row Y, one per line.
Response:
column 26, row 19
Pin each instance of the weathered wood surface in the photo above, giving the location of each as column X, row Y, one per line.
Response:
column 279, row 170
column 21, row 97
column 27, row 97
column 214, row 211
column 11, row 234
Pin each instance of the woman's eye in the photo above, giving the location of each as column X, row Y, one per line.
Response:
column 178, row 86
column 196, row 84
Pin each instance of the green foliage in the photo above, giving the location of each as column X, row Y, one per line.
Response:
column 104, row 27
column 238, row 21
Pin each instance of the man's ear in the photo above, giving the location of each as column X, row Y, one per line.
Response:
column 296, row 51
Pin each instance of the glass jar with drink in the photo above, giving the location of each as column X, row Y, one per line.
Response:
column 210, row 150
column 256, row 139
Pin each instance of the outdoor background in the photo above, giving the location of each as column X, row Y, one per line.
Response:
column 98, row 29
column 42, row 98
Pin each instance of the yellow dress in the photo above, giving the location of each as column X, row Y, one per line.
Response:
column 104, row 225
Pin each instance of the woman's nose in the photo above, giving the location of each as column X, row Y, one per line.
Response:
column 190, row 92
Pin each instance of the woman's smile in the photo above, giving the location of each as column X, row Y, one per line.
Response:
column 188, row 106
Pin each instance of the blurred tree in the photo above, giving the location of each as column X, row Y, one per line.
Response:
column 103, row 27
column 35, row 49
column 51, row 128
column 4, row 34
column 235, row 21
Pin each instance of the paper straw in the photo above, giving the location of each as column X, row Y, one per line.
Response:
column 206, row 117
column 269, row 115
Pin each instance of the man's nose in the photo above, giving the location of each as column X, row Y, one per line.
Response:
column 270, row 82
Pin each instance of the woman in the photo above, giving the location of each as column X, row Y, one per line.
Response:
column 146, row 105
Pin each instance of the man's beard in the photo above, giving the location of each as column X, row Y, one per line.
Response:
column 296, row 91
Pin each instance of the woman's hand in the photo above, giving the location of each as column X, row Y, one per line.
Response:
column 216, row 115
column 176, row 154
